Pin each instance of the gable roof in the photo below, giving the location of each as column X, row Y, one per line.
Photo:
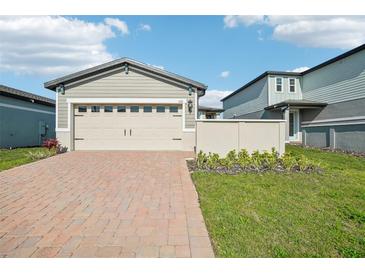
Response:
column 335, row 59
column 326, row 63
column 266, row 73
column 117, row 63
column 25, row 96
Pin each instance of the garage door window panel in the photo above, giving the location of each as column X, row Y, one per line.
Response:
column 121, row 108
column 134, row 109
column 160, row 109
column 108, row 108
column 147, row 109
column 174, row 109
column 82, row 109
column 95, row 108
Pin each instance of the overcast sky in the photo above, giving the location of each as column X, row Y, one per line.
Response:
column 222, row 52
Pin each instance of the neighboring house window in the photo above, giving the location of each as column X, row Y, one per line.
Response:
column 160, row 109
column 292, row 85
column 108, row 108
column 82, row 109
column 174, row 109
column 147, row 109
column 134, row 108
column 121, row 108
column 279, row 84
column 95, row 108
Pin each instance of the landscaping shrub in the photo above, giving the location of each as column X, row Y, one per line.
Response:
column 242, row 162
column 53, row 144
column 38, row 155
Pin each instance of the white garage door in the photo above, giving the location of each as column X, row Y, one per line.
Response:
column 128, row 127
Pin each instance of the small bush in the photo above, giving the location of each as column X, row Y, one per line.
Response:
column 243, row 158
column 288, row 161
column 51, row 143
column 55, row 145
column 201, row 160
column 243, row 161
column 213, row 161
column 38, row 155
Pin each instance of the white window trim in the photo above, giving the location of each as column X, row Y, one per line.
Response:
column 282, row 85
column 180, row 101
column 295, row 85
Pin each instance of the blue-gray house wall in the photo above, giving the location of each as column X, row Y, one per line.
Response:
column 341, row 124
column 340, row 83
column 24, row 124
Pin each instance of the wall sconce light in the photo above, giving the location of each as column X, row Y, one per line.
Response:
column 190, row 106
column 190, row 89
column 126, row 69
column 60, row 89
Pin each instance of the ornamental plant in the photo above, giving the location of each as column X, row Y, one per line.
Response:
column 242, row 162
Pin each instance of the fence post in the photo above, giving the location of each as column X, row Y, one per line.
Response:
column 332, row 138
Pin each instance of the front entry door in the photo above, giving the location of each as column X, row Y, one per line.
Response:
column 293, row 125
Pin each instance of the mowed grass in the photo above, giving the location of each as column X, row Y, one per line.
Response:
column 288, row 215
column 15, row 157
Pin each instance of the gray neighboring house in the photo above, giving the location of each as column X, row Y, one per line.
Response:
column 26, row 119
column 126, row 105
column 324, row 106
column 209, row 112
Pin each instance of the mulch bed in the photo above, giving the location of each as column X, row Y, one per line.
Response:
column 236, row 169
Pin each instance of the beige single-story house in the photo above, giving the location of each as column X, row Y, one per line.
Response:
column 126, row 105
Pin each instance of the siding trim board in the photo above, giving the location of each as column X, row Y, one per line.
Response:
column 338, row 121
column 26, row 108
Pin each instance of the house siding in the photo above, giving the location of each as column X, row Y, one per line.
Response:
column 118, row 84
column 252, row 99
column 340, row 81
column 20, row 127
column 277, row 97
column 343, row 137
column 346, row 109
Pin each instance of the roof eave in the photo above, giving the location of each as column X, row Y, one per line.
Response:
column 280, row 105
column 120, row 62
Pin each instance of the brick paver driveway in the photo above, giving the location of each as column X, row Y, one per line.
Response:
column 102, row 204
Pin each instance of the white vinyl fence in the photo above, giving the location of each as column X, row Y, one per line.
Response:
column 223, row 135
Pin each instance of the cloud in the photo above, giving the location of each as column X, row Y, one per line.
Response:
column 118, row 24
column 145, row 27
column 54, row 45
column 225, row 74
column 343, row 32
column 212, row 98
column 232, row 21
column 300, row 69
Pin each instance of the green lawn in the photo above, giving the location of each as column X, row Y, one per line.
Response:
column 15, row 157
column 288, row 215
